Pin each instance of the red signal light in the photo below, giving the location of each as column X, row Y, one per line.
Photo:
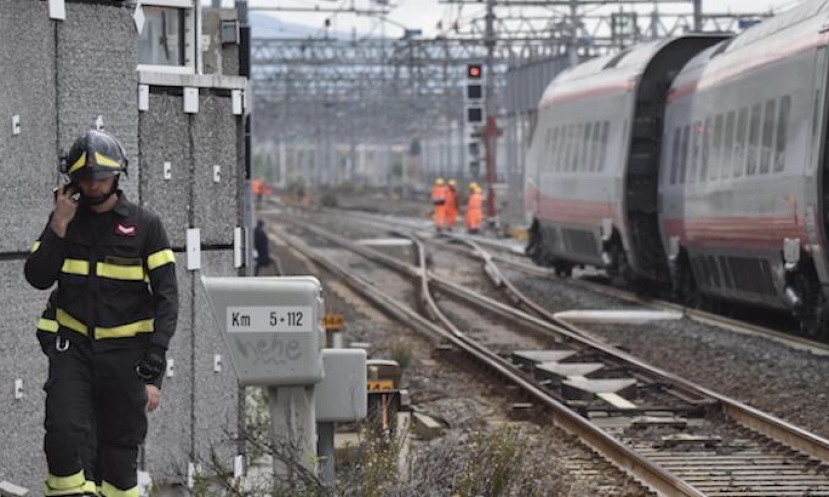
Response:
column 474, row 71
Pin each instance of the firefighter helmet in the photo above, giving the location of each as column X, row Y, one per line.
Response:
column 452, row 182
column 439, row 181
column 95, row 155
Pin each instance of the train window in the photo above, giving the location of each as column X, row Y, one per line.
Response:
column 604, row 140
column 740, row 142
column 594, row 165
column 675, row 156
column 585, row 151
column 683, row 159
column 782, row 133
column 552, row 149
column 577, row 154
column 568, row 145
column 559, row 152
column 574, row 147
column 753, row 139
column 728, row 144
column 768, row 136
column 578, row 149
column 716, row 149
column 706, row 149
column 696, row 133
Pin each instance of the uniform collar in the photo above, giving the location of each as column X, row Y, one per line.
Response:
column 122, row 207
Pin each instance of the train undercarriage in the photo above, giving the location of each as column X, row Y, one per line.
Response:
column 803, row 292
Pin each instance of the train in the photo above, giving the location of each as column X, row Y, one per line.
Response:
column 696, row 164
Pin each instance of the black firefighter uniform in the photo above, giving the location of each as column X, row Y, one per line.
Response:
column 116, row 299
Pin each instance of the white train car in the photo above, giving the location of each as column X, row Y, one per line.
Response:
column 592, row 176
column 744, row 182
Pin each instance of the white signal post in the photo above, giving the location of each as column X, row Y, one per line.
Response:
column 273, row 330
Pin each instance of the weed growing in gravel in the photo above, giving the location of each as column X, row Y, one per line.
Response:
column 402, row 353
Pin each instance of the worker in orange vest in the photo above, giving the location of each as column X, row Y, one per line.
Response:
column 474, row 209
column 439, row 203
column 256, row 189
column 451, row 204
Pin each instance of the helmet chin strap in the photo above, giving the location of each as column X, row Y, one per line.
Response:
column 99, row 199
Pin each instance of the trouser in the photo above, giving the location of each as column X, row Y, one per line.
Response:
column 95, row 420
column 440, row 216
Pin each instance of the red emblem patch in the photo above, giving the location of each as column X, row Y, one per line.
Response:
column 124, row 229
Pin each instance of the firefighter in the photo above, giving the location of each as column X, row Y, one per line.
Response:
column 474, row 209
column 451, row 204
column 116, row 308
column 439, row 203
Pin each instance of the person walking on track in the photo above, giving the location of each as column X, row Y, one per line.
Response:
column 261, row 245
column 451, row 204
column 116, row 310
column 474, row 209
column 439, row 204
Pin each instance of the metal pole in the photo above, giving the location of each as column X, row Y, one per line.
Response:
column 246, row 151
column 326, row 452
column 572, row 49
column 698, row 16
column 490, row 135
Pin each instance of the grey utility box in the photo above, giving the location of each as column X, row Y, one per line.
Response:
column 341, row 397
column 272, row 327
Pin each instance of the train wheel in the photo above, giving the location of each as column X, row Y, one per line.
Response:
column 563, row 269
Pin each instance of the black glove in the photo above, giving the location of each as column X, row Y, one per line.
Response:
column 153, row 364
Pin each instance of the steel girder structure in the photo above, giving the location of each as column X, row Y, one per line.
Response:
column 398, row 88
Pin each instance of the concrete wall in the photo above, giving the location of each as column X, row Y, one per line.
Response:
column 59, row 77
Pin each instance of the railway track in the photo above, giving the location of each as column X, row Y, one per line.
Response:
column 497, row 252
column 676, row 437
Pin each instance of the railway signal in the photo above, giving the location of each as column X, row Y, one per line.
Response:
column 474, row 94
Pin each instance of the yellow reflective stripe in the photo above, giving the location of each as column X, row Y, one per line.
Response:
column 127, row 330
column 78, row 163
column 44, row 324
column 75, row 266
column 123, row 331
column 64, row 482
column 109, row 490
column 117, row 272
column 160, row 258
column 103, row 160
column 35, row 246
column 88, row 488
column 68, row 485
column 67, row 321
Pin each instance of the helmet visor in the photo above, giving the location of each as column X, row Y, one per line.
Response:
column 94, row 173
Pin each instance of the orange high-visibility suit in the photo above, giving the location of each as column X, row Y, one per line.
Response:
column 451, row 205
column 474, row 211
column 439, row 203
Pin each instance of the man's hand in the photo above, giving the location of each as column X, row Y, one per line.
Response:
column 153, row 398
column 65, row 209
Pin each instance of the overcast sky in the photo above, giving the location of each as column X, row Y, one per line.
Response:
column 425, row 14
